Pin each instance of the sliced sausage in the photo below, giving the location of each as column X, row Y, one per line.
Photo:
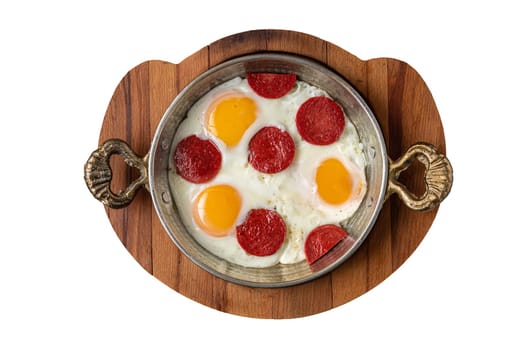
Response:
column 262, row 233
column 321, row 240
column 197, row 160
column 271, row 85
column 320, row 120
column 271, row 150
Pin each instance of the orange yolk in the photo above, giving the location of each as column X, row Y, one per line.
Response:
column 230, row 116
column 216, row 209
column 334, row 183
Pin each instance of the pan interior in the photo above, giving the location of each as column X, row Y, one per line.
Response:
column 358, row 226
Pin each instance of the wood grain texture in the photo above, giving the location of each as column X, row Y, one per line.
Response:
column 404, row 108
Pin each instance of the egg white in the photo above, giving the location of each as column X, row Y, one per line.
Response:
column 292, row 192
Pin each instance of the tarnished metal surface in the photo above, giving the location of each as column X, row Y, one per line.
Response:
column 438, row 177
column 98, row 174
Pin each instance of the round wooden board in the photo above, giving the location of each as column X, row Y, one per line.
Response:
column 404, row 108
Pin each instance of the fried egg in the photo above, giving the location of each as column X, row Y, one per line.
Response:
column 323, row 184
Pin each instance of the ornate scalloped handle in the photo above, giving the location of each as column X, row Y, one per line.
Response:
column 438, row 177
column 98, row 174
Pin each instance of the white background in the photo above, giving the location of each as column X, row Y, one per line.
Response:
column 66, row 280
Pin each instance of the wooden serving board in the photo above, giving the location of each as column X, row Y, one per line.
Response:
column 406, row 112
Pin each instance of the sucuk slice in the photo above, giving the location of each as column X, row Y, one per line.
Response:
column 321, row 240
column 271, row 150
column 271, row 85
column 197, row 160
column 262, row 233
column 320, row 120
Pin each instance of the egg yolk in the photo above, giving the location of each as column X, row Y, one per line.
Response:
column 229, row 118
column 216, row 209
column 334, row 183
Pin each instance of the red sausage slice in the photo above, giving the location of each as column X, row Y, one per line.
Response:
column 262, row 233
column 321, row 239
column 320, row 120
column 271, row 150
column 197, row 160
column 270, row 85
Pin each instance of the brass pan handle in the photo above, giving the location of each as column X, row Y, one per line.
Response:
column 98, row 174
column 438, row 177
